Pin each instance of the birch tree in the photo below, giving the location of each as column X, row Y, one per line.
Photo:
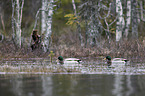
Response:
column 134, row 20
column 17, row 7
column 120, row 22
column 1, row 16
column 47, row 12
column 2, row 21
column 142, row 12
column 128, row 18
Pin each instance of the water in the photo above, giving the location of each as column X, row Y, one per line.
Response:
column 44, row 66
column 72, row 85
column 39, row 77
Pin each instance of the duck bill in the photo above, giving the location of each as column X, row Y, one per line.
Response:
column 104, row 59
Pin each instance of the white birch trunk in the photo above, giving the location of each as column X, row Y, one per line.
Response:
column 128, row 19
column 142, row 13
column 120, row 21
column 74, row 7
column 17, row 19
column 47, row 23
column 43, row 14
column 18, row 24
column 1, row 17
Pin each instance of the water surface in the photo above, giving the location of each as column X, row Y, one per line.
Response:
column 39, row 77
column 72, row 85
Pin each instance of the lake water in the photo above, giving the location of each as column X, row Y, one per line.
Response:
column 72, row 85
column 38, row 77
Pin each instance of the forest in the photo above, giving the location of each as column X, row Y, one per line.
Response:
column 73, row 28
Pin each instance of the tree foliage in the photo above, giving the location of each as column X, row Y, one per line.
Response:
column 72, row 19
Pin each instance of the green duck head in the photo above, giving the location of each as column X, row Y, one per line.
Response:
column 60, row 58
column 108, row 58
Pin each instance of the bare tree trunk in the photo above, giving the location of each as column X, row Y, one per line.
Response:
column 86, row 33
column 92, row 33
column 18, row 24
column 1, row 17
column 120, row 22
column 142, row 12
column 2, row 22
column 128, row 18
column 47, row 12
column 17, row 6
column 134, row 20
column 44, row 15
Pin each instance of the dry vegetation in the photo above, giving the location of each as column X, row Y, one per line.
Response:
column 126, row 49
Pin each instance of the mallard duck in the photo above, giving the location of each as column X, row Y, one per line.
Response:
column 60, row 60
column 116, row 61
column 108, row 58
column 69, row 61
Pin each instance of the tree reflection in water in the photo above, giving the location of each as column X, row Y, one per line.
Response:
column 72, row 85
column 122, row 85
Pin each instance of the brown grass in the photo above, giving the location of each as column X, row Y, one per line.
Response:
column 127, row 49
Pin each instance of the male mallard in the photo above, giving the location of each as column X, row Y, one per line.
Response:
column 60, row 58
column 116, row 61
column 68, row 61
column 108, row 58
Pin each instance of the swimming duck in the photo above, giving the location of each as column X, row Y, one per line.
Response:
column 116, row 61
column 108, row 58
column 68, row 61
column 60, row 59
